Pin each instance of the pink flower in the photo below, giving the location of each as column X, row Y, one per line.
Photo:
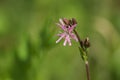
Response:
column 67, row 26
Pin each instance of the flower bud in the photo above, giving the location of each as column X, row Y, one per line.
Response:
column 86, row 43
column 66, row 21
column 74, row 21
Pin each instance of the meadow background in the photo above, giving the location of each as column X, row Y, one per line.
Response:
column 28, row 33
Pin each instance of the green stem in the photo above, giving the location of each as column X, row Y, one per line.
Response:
column 83, row 54
column 87, row 70
column 79, row 40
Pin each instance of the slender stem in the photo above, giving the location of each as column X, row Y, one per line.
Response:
column 79, row 40
column 86, row 61
column 87, row 70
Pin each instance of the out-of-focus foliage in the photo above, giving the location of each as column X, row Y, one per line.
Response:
column 28, row 34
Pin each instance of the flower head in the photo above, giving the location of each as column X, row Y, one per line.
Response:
column 67, row 26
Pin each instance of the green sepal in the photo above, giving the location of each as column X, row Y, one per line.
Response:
column 83, row 54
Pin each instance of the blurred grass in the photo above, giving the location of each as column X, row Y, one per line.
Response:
column 28, row 33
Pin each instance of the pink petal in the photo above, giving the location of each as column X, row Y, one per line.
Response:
column 61, row 26
column 65, row 42
column 61, row 22
column 71, row 28
column 60, row 34
column 68, row 39
column 63, row 35
column 73, row 36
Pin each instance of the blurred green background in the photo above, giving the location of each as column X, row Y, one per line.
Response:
column 28, row 33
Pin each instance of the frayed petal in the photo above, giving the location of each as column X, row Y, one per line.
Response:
column 72, row 28
column 61, row 26
column 61, row 22
column 65, row 42
column 73, row 36
column 68, row 39
column 62, row 36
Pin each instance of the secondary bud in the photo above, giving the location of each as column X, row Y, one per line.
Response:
column 86, row 43
column 74, row 21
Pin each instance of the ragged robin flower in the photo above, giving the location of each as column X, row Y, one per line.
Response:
column 67, row 33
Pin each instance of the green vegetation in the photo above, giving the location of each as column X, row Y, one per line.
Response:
column 28, row 33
